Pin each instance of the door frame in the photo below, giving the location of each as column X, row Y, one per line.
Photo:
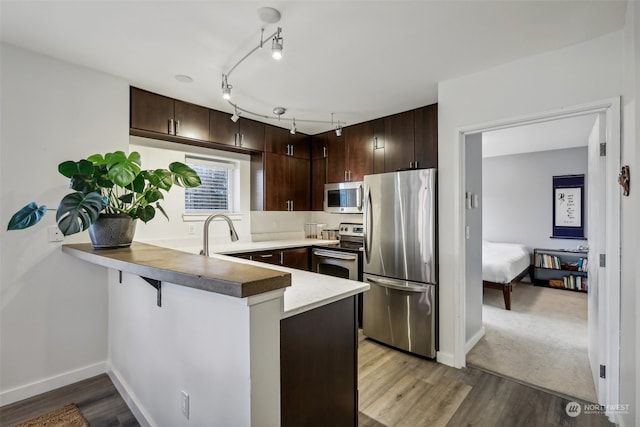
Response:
column 610, row 310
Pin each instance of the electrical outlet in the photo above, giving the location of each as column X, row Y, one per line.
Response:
column 184, row 403
column 191, row 229
column 55, row 235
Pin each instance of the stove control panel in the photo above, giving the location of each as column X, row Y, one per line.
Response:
column 351, row 229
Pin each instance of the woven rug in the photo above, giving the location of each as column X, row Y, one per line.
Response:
column 67, row 416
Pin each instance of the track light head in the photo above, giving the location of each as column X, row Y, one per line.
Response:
column 276, row 45
column 226, row 88
column 293, row 128
column 338, row 130
column 235, row 117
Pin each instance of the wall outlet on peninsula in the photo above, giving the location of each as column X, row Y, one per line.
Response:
column 55, row 235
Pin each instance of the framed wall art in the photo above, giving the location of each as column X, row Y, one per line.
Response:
column 568, row 207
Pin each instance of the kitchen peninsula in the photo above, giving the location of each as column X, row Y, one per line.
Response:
column 224, row 341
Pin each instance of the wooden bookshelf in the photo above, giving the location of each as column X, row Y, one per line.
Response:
column 561, row 269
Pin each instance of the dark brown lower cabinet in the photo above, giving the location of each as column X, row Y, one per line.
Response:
column 294, row 258
column 319, row 367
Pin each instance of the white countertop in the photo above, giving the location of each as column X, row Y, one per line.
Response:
column 308, row 290
column 238, row 247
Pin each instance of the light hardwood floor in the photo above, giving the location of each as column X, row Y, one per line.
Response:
column 396, row 389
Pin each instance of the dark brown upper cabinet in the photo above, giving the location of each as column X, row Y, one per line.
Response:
column 286, row 183
column 318, row 170
column 378, row 146
column 280, row 141
column 398, row 141
column 156, row 113
column 359, row 150
column 336, row 162
column 245, row 133
column 350, row 156
column 410, row 140
column 426, row 136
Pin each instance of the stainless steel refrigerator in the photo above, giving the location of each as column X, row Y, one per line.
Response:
column 400, row 260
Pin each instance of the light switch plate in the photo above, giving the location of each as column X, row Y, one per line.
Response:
column 184, row 403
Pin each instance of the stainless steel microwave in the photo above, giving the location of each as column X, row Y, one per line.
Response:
column 343, row 197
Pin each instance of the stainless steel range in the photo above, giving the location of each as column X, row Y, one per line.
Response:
column 343, row 260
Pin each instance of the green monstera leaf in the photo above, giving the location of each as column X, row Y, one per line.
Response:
column 29, row 215
column 145, row 213
column 77, row 211
column 123, row 169
column 184, row 176
column 71, row 168
column 161, row 178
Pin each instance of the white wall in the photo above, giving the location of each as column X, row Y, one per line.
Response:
column 577, row 74
column 630, row 280
column 474, row 217
column 517, row 192
column 54, row 308
column 159, row 154
column 224, row 352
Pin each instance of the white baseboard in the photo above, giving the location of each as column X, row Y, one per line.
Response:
column 132, row 402
column 445, row 359
column 35, row 388
column 474, row 340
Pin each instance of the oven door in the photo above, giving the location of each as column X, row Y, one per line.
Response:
column 335, row 263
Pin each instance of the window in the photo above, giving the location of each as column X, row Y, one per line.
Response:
column 216, row 191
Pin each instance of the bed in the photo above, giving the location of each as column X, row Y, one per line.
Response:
column 503, row 264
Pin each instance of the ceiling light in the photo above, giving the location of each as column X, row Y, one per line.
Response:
column 276, row 45
column 269, row 15
column 182, row 78
column 236, row 116
column 338, row 130
column 293, row 127
column 226, row 88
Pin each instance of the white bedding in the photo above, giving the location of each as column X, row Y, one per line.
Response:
column 502, row 262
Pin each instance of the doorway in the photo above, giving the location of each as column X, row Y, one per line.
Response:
column 540, row 337
column 607, row 297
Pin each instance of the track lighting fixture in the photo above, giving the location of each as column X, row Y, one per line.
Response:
column 276, row 45
column 268, row 15
column 226, row 88
column 236, row 116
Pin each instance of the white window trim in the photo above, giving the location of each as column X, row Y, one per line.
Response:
column 200, row 216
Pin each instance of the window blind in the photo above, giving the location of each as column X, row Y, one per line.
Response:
column 216, row 189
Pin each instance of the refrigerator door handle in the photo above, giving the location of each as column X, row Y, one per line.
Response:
column 388, row 284
column 359, row 196
column 367, row 226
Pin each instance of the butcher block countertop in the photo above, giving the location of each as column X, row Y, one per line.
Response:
column 181, row 268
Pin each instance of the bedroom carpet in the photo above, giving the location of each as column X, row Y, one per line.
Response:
column 541, row 341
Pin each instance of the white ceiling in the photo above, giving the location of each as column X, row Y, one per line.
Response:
column 358, row 59
column 551, row 135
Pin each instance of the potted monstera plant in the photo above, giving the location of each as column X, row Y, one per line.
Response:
column 111, row 192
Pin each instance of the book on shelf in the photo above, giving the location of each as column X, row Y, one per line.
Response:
column 578, row 283
column 548, row 261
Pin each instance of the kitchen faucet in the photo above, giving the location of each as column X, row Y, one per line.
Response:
column 205, row 243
